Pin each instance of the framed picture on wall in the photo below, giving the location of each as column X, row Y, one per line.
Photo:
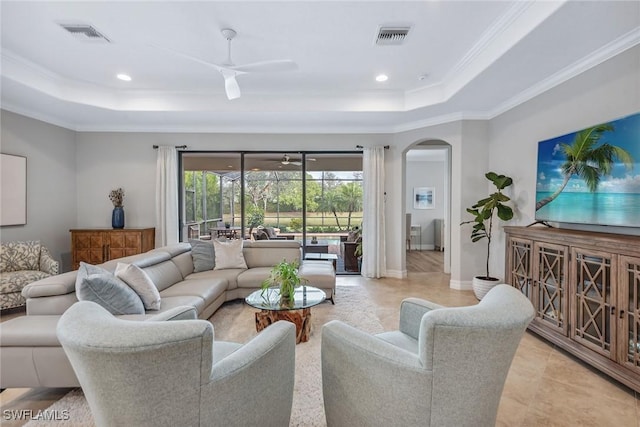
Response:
column 424, row 197
column 13, row 194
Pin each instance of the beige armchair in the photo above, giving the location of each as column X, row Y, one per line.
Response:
column 20, row 264
column 150, row 373
column 443, row 367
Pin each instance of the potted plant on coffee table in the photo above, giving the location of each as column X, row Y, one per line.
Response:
column 483, row 212
column 285, row 276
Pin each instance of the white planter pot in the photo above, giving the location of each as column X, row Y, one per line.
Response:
column 482, row 286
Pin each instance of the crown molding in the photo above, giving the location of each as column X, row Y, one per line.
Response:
column 507, row 31
column 608, row 51
column 38, row 116
column 284, row 123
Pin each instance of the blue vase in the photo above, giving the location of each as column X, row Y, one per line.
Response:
column 117, row 217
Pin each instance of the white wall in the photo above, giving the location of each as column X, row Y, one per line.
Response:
column 51, row 182
column 604, row 93
column 425, row 173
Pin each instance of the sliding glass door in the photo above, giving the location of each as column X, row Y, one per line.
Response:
column 314, row 198
column 273, row 194
column 210, row 192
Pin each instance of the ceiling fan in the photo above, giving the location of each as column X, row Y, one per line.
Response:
column 230, row 71
column 288, row 160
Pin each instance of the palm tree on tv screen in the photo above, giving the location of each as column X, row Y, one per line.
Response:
column 588, row 160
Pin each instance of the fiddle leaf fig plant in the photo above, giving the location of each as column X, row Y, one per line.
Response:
column 485, row 209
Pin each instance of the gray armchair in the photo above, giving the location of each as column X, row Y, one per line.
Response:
column 444, row 367
column 152, row 373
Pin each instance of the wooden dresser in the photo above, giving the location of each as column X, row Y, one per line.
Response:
column 95, row 246
column 585, row 289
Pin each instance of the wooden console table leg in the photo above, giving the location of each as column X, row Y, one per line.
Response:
column 300, row 318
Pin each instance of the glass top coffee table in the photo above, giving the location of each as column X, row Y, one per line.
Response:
column 297, row 310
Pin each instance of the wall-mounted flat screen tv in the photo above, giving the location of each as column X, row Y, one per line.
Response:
column 591, row 176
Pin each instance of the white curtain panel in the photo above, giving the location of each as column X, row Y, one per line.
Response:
column 374, row 262
column 166, row 196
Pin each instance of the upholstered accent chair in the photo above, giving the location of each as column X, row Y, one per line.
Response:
column 444, row 367
column 171, row 371
column 20, row 264
column 266, row 233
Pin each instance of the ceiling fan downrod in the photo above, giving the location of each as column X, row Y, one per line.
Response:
column 228, row 34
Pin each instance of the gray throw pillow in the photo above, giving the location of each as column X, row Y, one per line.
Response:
column 100, row 286
column 203, row 254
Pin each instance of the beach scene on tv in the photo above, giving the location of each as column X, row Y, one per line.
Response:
column 591, row 176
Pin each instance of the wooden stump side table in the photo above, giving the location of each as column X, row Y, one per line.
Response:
column 297, row 311
column 300, row 318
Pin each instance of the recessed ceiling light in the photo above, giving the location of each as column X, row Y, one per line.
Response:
column 124, row 77
column 381, row 78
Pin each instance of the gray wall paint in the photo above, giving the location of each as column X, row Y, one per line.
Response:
column 110, row 160
column 51, row 182
column 425, row 174
column 604, row 93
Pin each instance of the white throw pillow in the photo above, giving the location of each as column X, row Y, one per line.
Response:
column 229, row 254
column 141, row 283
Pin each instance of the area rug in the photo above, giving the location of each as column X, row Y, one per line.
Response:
column 234, row 321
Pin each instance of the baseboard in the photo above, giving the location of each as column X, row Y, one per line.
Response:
column 461, row 285
column 396, row 274
column 423, row 247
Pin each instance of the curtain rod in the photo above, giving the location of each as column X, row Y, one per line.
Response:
column 360, row 147
column 179, row 147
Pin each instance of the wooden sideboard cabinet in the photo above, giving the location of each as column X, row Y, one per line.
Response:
column 585, row 289
column 95, row 246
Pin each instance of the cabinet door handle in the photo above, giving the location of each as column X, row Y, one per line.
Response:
column 621, row 314
column 613, row 310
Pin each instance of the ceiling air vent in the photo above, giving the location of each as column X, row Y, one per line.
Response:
column 392, row 36
column 85, row 32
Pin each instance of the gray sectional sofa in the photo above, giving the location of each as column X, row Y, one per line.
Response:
column 31, row 356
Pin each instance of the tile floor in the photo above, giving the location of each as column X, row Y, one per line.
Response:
column 545, row 386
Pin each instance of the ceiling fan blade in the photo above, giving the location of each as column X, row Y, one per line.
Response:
column 267, row 66
column 190, row 57
column 231, row 85
column 297, row 163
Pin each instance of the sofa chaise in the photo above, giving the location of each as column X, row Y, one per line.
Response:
column 31, row 355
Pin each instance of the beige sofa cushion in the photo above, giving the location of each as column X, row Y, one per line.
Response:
column 61, row 284
column 267, row 253
column 208, row 290
column 253, row 277
column 163, row 274
column 172, row 301
column 231, row 276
